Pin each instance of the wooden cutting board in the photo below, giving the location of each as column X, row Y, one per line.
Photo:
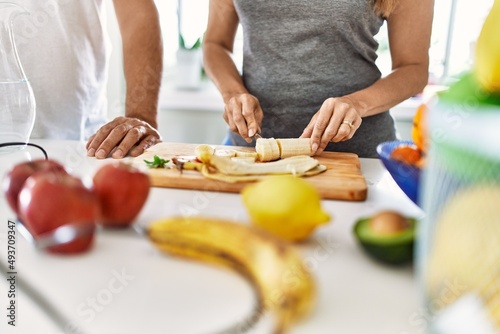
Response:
column 342, row 180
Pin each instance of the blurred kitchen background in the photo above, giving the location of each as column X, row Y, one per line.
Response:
column 191, row 111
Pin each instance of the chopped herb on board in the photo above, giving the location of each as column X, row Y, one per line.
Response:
column 157, row 162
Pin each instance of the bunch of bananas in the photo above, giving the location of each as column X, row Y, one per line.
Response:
column 284, row 286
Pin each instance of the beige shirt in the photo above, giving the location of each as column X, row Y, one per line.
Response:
column 64, row 50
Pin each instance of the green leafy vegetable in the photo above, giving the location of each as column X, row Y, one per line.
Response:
column 157, row 162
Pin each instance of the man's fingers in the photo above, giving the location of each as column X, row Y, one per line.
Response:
column 122, row 136
column 132, row 136
column 145, row 143
column 112, row 140
column 96, row 140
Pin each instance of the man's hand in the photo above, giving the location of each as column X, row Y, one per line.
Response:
column 122, row 136
column 142, row 62
column 244, row 115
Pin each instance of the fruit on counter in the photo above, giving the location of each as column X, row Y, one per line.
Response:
column 465, row 248
column 419, row 133
column 275, row 268
column 487, row 56
column 387, row 236
column 122, row 191
column 50, row 200
column 408, row 154
column 269, row 149
column 15, row 178
column 286, row 206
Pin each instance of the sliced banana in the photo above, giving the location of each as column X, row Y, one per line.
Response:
column 269, row 149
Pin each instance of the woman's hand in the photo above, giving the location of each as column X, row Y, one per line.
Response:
column 243, row 114
column 337, row 120
column 122, row 136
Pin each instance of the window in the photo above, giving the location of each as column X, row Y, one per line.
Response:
column 456, row 26
column 187, row 16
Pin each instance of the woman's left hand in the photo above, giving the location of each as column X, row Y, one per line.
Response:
column 337, row 120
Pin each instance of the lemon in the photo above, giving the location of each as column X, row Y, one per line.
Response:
column 286, row 206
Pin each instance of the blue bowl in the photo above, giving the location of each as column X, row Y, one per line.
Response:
column 406, row 176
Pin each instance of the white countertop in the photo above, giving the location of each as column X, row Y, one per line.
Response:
column 124, row 285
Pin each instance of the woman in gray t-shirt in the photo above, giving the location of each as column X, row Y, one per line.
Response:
column 309, row 68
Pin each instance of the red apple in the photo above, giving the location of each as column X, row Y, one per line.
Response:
column 50, row 200
column 122, row 190
column 14, row 179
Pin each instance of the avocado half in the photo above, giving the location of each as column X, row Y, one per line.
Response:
column 395, row 248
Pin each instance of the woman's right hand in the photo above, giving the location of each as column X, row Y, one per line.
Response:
column 243, row 114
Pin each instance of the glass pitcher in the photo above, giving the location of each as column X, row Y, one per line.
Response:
column 17, row 102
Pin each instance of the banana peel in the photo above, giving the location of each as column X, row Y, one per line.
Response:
column 283, row 284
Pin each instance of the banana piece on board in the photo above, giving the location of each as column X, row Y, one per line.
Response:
column 269, row 149
column 283, row 284
column 203, row 149
column 290, row 147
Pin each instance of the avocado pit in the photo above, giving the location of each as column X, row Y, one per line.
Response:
column 387, row 236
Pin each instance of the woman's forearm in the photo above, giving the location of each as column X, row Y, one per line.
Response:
column 221, row 69
column 390, row 90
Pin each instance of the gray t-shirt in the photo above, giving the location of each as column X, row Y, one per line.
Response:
column 298, row 53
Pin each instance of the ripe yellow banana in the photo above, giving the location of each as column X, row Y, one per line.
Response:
column 269, row 149
column 284, row 286
column 487, row 62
